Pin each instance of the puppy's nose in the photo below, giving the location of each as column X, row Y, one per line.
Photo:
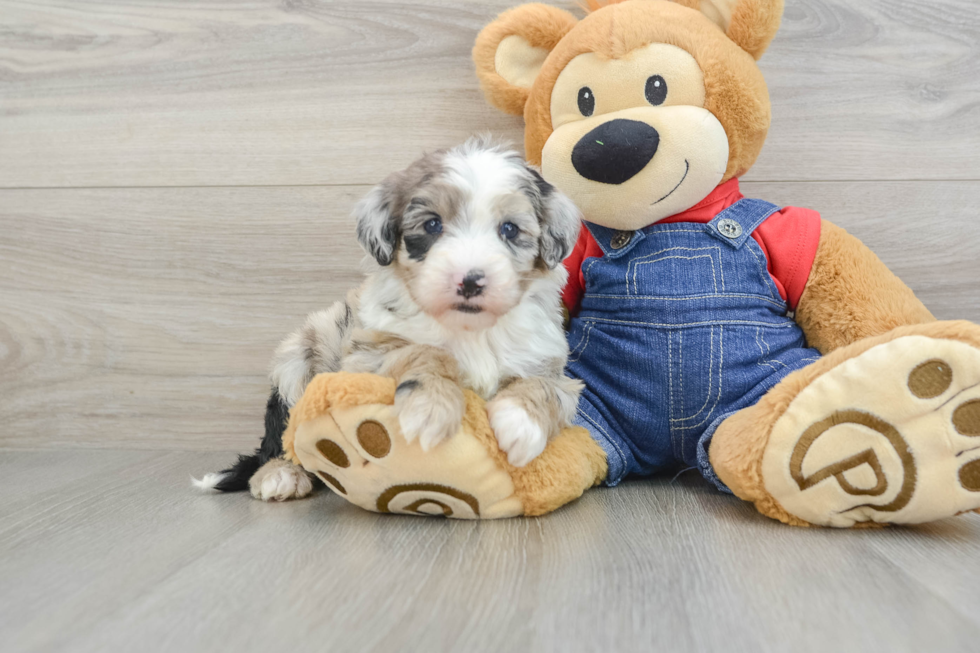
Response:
column 472, row 284
column 615, row 151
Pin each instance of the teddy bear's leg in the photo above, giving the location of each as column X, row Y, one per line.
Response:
column 884, row 430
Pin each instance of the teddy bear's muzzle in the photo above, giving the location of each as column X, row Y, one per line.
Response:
column 615, row 151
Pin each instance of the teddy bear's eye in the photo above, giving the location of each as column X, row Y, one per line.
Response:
column 586, row 101
column 656, row 90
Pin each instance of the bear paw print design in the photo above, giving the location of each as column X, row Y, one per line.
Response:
column 360, row 454
column 891, row 435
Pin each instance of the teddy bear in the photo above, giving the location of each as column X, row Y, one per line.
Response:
column 761, row 345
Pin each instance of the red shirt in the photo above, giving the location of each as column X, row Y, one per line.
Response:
column 789, row 239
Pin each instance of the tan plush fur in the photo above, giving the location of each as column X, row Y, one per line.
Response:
column 738, row 445
column 852, row 295
column 736, row 92
column 324, row 393
column 571, row 463
column 542, row 26
column 753, row 23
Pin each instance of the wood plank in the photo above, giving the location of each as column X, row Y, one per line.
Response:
column 243, row 93
column 145, row 318
column 140, row 561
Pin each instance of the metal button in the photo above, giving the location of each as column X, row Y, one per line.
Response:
column 621, row 239
column 729, row 228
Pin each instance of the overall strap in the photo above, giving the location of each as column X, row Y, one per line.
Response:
column 612, row 242
column 735, row 224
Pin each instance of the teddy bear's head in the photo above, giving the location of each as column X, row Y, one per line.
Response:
column 639, row 110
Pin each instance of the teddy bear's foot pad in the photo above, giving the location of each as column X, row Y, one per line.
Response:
column 889, row 436
column 360, row 453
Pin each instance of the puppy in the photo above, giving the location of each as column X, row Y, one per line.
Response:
column 466, row 293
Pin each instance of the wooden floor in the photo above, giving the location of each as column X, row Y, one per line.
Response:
column 108, row 551
column 175, row 180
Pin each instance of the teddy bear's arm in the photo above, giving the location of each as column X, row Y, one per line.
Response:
column 852, row 295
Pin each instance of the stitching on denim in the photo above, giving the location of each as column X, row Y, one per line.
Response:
column 676, row 231
column 764, row 275
column 680, row 370
column 769, row 350
column 771, row 325
column 711, row 365
column 588, row 270
column 670, row 378
column 606, row 435
column 768, row 300
column 762, row 352
column 721, row 379
column 642, row 260
column 576, row 354
column 721, row 269
column 636, row 266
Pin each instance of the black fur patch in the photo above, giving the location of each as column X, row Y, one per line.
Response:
column 544, row 187
column 389, row 234
column 418, row 245
column 276, row 418
column 408, row 386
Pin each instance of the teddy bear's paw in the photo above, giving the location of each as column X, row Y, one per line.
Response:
column 280, row 480
column 361, row 454
column 891, row 436
column 517, row 433
column 429, row 412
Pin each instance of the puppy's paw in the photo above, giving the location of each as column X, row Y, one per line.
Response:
column 517, row 434
column 280, row 480
column 429, row 412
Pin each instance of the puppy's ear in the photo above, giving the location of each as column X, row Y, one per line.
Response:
column 752, row 24
column 510, row 51
column 378, row 222
column 561, row 222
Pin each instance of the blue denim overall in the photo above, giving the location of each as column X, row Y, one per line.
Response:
column 681, row 325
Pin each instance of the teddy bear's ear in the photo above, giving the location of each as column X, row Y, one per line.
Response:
column 510, row 51
column 752, row 24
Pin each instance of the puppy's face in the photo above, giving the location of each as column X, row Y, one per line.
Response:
column 468, row 230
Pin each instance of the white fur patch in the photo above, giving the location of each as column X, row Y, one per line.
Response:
column 208, row 482
column 429, row 417
column 280, row 481
column 517, row 434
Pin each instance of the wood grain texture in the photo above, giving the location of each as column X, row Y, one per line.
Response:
column 128, row 557
column 145, row 318
column 166, row 93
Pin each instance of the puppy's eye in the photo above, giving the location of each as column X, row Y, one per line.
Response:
column 509, row 231
column 586, row 101
column 433, row 226
column 656, row 90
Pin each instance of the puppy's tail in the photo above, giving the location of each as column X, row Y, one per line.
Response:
column 236, row 477
column 233, row 479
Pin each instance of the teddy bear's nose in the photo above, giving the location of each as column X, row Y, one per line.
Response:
column 615, row 151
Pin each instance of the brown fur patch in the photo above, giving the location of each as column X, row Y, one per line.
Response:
column 540, row 25
column 851, row 295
